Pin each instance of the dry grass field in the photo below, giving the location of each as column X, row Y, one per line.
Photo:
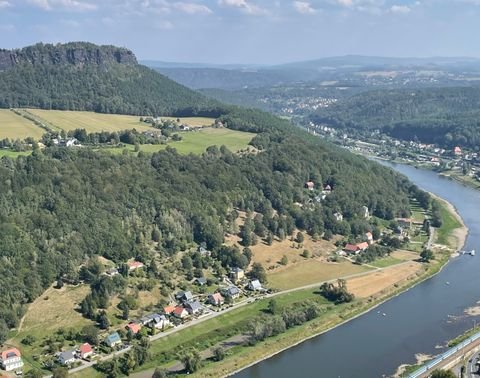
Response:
column 13, row 126
column 376, row 282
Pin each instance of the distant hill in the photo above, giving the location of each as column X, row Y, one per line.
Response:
column 447, row 116
column 84, row 76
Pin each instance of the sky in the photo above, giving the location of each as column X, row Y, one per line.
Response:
column 249, row 31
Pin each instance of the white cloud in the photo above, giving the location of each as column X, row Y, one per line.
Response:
column 244, row 5
column 75, row 5
column 4, row 4
column 400, row 9
column 303, row 7
column 192, row 8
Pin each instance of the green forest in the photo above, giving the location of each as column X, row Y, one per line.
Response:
column 446, row 116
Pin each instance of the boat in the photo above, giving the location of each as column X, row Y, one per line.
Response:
column 472, row 252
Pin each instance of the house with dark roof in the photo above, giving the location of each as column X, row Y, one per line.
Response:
column 193, row 307
column 11, row 359
column 231, row 292
column 67, row 357
column 184, row 296
column 200, row 281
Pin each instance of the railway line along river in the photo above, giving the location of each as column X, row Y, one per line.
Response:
column 417, row 321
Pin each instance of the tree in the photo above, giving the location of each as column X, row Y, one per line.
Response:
column 160, row 373
column 300, row 238
column 269, row 239
column 191, row 360
column 90, row 334
column 218, row 353
column 187, row 263
column 442, row 374
column 272, row 307
column 426, row 255
column 102, row 320
column 306, row 253
column 60, row 372
column 284, row 260
column 258, row 272
column 3, row 331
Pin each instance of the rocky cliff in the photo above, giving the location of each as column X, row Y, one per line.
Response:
column 75, row 53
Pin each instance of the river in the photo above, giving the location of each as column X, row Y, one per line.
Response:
column 417, row 321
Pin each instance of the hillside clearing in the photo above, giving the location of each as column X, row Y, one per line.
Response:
column 13, row 126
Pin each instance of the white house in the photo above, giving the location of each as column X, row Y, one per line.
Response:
column 11, row 359
column 255, row 285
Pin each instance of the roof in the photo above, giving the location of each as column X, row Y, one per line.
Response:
column 169, row 309
column 135, row 328
column 351, row 247
column 217, row 297
column 232, row 290
column 9, row 353
column 256, row 284
column 134, row 264
column 363, row 245
column 178, row 310
column 237, row 270
column 201, row 280
column 309, row 184
column 86, row 348
column 68, row 355
column 194, row 305
column 113, row 337
column 328, row 187
column 369, row 235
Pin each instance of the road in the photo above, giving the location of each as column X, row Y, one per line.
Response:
column 213, row 315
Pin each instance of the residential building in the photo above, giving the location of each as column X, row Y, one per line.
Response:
column 85, row 350
column 180, row 312
column 201, row 281
column 365, row 212
column 133, row 265
column 66, row 358
column 369, row 237
column 113, row 339
column 338, row 217
column 134, row 328
column 160, row 322
column 168, row 310
column 193, row 307
column 310, row 185
column 355, row 248
column 216, row 299
column 236, row 274
column 231, row 292
column 255, row 285
column 11, row 359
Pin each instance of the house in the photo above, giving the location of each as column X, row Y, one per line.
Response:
column 180, row 312
column 168, row 310
column 355, row 248
column 193, row 307
column 66, row 358
column 404, row 222
column 327, row 188
column 369, row 237
column 203, row 250
column 338, row 217
column 134, row 328
column 216, row 299
column 231, row 292
column 113, row 339
column 254, row 285
column 457, row 151
column 200, row 281
column 236, row 274
column 112, row 272
column 160, row 322
column 184, row 296
column 11, row 359
column 133, row 265
column 365, row 212
column 85, row 350
column 310, row 185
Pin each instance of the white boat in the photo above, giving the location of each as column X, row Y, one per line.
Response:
column 472, row 252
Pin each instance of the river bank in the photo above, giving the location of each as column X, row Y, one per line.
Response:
column 249, row 356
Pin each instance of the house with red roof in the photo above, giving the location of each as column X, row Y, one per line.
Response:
column 457, row 151
column 134, row 327
column 355, row 249
column 180, row 312
column 85, row 350
column 310, row 185
column 168, row 310
column 11, row 359
column 216, row 299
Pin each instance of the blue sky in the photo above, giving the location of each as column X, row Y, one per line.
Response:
column 249, row 31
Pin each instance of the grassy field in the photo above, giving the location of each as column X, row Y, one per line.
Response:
column 449, row 224
column 198, row 141
column 94, row 122
column 13, row 126
column 385, row 262
column 14, row 154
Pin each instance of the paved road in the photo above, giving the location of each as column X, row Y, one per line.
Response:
column 212, row 315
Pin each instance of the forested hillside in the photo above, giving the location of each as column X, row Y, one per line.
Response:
column 447, row 116
column 82, row 76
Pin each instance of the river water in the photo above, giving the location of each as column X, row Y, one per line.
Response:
column 417, row 321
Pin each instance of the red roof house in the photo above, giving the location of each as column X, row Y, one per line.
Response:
column 180, row 312
column 132, row 265
column 310, row 185
column 86, row 350
column 134, row 327
column 169, row 309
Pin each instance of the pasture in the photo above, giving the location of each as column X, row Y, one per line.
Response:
column 13, row 126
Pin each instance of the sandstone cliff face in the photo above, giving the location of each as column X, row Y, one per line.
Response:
column 76, row 53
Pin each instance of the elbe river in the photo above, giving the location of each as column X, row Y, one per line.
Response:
column 420, row 320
